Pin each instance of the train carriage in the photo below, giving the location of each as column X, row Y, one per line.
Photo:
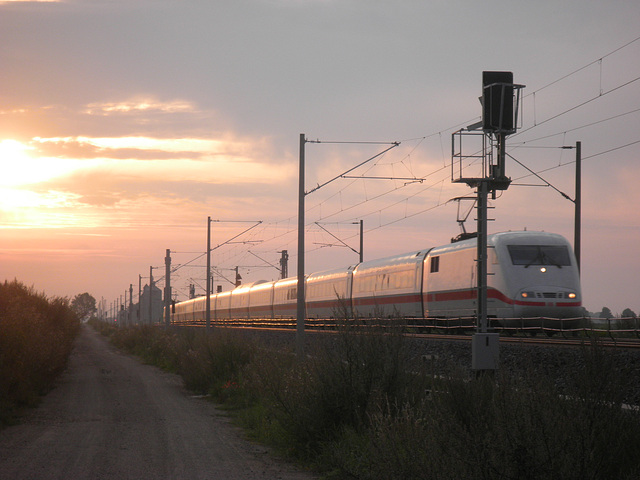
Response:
column 184, row 312
column 261, row 300
column 285, row 298
column 328, row 294
column 221, row 306
column 239, row 303
column 389, row 287
column 449, row 288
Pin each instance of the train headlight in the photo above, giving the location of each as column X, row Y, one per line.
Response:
column 571, row 295
column 543, row 269
column 528, row 295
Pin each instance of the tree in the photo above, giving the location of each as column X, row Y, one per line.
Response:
column 606, row 313
column 628, row 313
column 84, row 305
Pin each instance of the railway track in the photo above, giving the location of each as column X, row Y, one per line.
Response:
column 548, row 337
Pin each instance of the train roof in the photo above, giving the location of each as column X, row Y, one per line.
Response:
column 331, row 273
column 247, row 286
column 526, row 237
column 519, row 237
column 402, row 259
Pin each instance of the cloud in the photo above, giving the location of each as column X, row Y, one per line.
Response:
column 30, row 1
column 140, row 105
column 172, row 159
column 96, row 182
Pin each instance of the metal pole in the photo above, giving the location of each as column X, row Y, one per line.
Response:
column 284, row 264
column 361, row 241
column 578, row 204
column 485, row 347
column 139, row 312
column 482, row 256
column 130, row 304
column 208, row 289
column 300, row 311
column 150, row 295
column 167, row 289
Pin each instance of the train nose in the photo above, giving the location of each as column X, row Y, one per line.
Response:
column 547, row 295
column 547, row 302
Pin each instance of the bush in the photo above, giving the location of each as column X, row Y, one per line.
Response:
column 36, row 338
column 338, row 387
column 360, row 407
column 485, row 428
column 208, row 364
column 212, row 364
column 152, row 344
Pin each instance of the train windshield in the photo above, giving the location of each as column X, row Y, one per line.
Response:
column 527, row 255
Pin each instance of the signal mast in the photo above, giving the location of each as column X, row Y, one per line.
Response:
column 500, row 103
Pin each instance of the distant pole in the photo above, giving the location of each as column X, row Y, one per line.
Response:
column 125, row 318
column 578, row 204
column 361, row 241
column 139, row 311
column 130, row 304
column 284, row 264
column 167, row 289
column 208, row 289
column 150, row 295
column 238, row 278
column 300, row 311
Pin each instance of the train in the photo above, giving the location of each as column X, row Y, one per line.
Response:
column 530, row 276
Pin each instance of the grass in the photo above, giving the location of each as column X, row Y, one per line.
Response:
column 362, row 407
column 36, row 338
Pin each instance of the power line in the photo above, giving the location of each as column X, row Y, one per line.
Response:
column 583, row 126
column 599, row 60
column 575, row 107
column 340, row 194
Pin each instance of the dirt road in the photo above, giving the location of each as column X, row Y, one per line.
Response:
column 111, row 417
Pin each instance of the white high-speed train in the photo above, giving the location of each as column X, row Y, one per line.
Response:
column 530, row 275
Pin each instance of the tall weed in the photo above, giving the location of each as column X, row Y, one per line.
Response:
column 486, row 428
column 36, row 338
column 208, row 364
column 361, row 407
column 337, row 387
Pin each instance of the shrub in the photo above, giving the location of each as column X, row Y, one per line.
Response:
column 36, row 338
column 502, row 427
column 359, row 407
column 212, row 364
column 338, row 386
column 152, row 344
column 208, row 364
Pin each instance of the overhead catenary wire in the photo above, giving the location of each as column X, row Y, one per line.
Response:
column 575, row 107
column 598, row 60
column 279, row 231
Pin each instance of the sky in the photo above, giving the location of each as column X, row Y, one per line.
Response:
column 124, row 124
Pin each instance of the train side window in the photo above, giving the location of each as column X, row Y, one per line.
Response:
column 435, row 264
